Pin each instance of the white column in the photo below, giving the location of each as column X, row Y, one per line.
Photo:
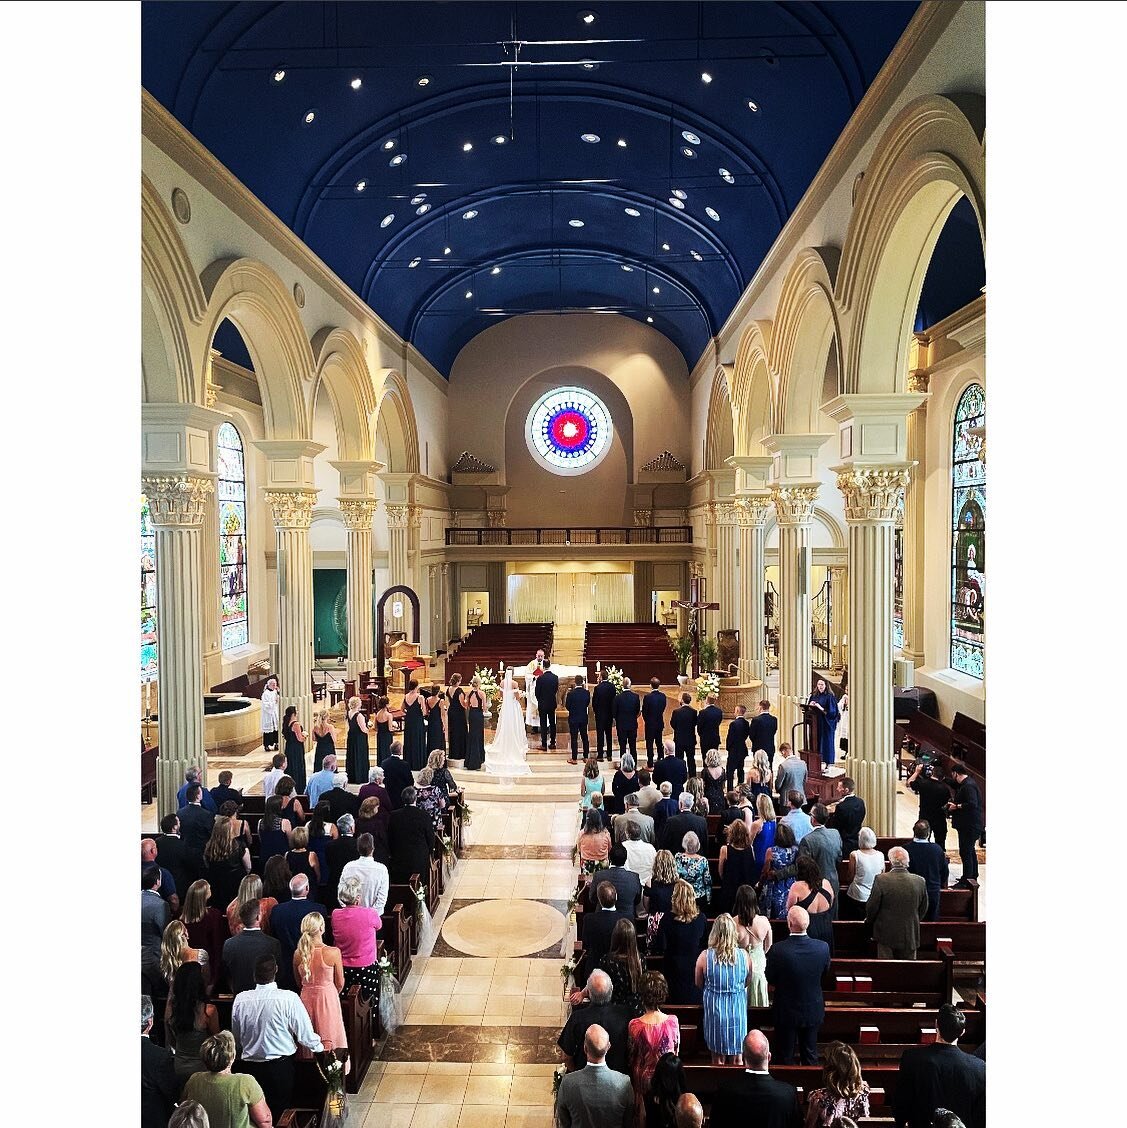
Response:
column 751, row 512
column 210, row 600
column 839, row 614
column 913, row 648
column 177, row 504
column 398, row 522
column 357, row 514
column 726, row 593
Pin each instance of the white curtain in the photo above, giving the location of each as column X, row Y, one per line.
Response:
column 575, row 598
column 614, row 597
column 532, row 599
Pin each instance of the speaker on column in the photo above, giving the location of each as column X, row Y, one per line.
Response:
column 804, row 570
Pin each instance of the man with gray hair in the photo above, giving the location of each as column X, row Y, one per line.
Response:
column 614, row 1018
column 207, row 800
column 339, row 852
column 322, row 781
column 286, row 926
column 595, row 1096
column 159, row 1088
column 675, row 829
column 397, row 776
column 896, row 906
column 633, row 814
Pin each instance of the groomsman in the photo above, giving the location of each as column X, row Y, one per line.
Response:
column 602, row 701
column 763, row 730
column 547, row 692
column 577, row 702
column 627, row 706
column 684, row 722
column 653, row 717
column 708, row 726
column 736, row 744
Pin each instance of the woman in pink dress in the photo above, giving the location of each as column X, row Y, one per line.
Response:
column 651, row 1036
column 319, row 971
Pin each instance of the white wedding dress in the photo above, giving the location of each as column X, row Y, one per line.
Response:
column 507, row 755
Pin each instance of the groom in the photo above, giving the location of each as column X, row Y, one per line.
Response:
column 547, row 689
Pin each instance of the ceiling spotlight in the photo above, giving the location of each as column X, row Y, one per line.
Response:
column 575, row 223
column 628, row 269
column 649, row 320
column 500, row 139
column 680, row 193
column 469, row 214
column 310, row 116
column 495, row 270
column 705, row 77
column 361, row 185
column 418, row 199
column 657, row 289
column 423, row 80
column 422, row 209
column 622, row 142
column 726, row 175
column 356, row 83
column 691, row 137
column 445, row 250
column 665, row 246
column 397, row 160
column 687, row 152
column 467, row 147
column 279, row 75
column 413, row 263
column 387, row 220
column 588, row 18
column 697, row 255
column 753, row 106
column 389, row 144
column 590, row 138
column 634, row 212
column 469, row 293
column 712, row 214
column 678, row 204
column 590, row 64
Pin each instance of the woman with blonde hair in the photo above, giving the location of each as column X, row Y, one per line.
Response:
column 681, row 936
column 231, row 1100
column 226, row 860
column 844, row 1094
column 301, row 859
column 175, row 950
column 358, row 757
column 715, row 770
column 721, row 972
column 695, row 787
column 326, row 741
column 437, row 763
column 657, row 893
column 319, row 972
column 205, row 924
column 763, row 830
column 250, row 889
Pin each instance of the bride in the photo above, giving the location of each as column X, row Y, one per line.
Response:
column 506, row 755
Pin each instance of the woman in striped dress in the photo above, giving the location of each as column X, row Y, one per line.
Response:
column 722, row 972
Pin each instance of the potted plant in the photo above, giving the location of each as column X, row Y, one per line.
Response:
column 683, row 648
column 708, row 653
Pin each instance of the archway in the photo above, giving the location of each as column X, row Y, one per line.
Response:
column 720, row 433
column 416, row 619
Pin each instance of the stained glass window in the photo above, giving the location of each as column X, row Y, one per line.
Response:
column 569, row 430
column 232, row 487
column 968, row 534
column 148, row 594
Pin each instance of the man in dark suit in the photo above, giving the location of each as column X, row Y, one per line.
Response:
column 930, row 862
column 159, row 1088
column 195, row 823
column 708, row 727
column 795, row 967
column 754, row 1097
column 342, row 802
column 736, row 745
column 940, row 1075
column 173, row 856
column 225, row 792
column 627, row 708
column 684, row 722
column 599, row 924
column 167, row 888
column 848, row 815
column 614, row 1018
column 934, row 796
column 627, row 886
column 410, row 839
column 966, row 818
column 547, row 694
column 653, row 718
column 763, row 730
column 192, row 775
column 342, row 850
column 602, row 705
column 823, row 844
column 681, row 823
column 671, row 768
column 577, row 702
column 242, row 952
column 155, row 915
column 397, row 775
column 285, row 924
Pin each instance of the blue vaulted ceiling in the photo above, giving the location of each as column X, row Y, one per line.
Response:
column 467, row 126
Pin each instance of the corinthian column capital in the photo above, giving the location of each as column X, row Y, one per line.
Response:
column 290, row 509
column 397, row 516
column 873, row 493
column 794, row 505
column 357, row 513
column 177, row 500
column 751, row 512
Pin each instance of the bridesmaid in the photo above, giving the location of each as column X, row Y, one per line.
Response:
column 475, row 737
column 383, row 731
column 436, row 734
column 357, row 757
column 326, row 744
column 414, row 727
column 295, row 748
column 456, row 719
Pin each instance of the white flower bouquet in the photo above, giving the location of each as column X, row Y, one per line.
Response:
column 708, row 685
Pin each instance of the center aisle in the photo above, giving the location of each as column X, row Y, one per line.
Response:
column 483, row 1006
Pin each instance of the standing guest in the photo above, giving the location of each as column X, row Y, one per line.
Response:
column 251, row 889
column 324, row 741
column 941, row 1074
column 735, row 743
column 667, row 1086
column 321, row 832
column 276, row 876
column 823, row 844
column 737, row 864
column 372, row 875
column 602, row 705
column 294, row 737
column 653, row 719
column 322, row 780
column 796, row 818
column 754, row 1097
column 286, row 923
column 625, row 781
column 695, row 787
column 812, row 892
column 338, row 854
column 652, row 1035
column 681, row 936
column 277, row 770
column 455, row 720
column 268, row 1025
column 791, row 775
column 375, row 787
column 675, row 829
column 665, row 809
column 639, row 855
column 627, row 709
column 763, row 730
column 207, row 928
column 167, row 889
column 657, row 893
column 671, row 767
column 761, row 765
column 372, row 819
column 410, row 839
column 934, row 796
column 301, row 859
column 224, row 792
column 155, row 917
column 436, row 731
column 595, row 1096
column 175, row 951
column 626, row 883
column 753, row 934
column 174, row 856
column 591, row 782
column 966, row 818
column 319, row 974
column 601, row 1010
column 189, row 1019
column 684, row 723
column 354, row 929
column 708, row 726
column 397, row 775
column 862, row 868
column 240, row 827
column 599, row 925
column 779, row 872
column 593, row 844
column 712, row 780
column 930, row 862
column 689, row 1112
column 230, row 1100
column 442, row 779
column 414, row 727
column 357, row 753
column 192, row 775
column 895, row 908
column 242, row 951
column 825, row 705
column 795, row 966
column 721, row 972
column 269, row 715
column 382, row 718
column 430, row 798
column 733, row 810
column 195, row 823
column 577, row 702
column 694, row 868
column 475, row 720
column 291, row 809
column 160, row 1087
column 226, row 862
column 273, row 831
column 843, row 1092
column 633, row 815
column 847, row 815
column 762, row 831
column 624, row 966
column 648, row 793
column 547, row 698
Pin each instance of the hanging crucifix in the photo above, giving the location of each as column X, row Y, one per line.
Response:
column 695, row 605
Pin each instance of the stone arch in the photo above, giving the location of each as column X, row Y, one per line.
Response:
column 395, row 416
column 822, row 518
column 806, row 327
column 753, row 389
column 172, row 303
column 932, row 154
column 720, row 426
column 343, row 373
column 262, row 309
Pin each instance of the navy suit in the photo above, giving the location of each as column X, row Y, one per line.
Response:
column 738, row 732
column 653, row 717
column 577, row 702
column 626, row 884
column 547, row 693
column 597, row 928
column 396, row 776
column 684, row 722
column 627, row 706
column 763, row 730
column 795, row 967
column 195, row 829
column 708, row 727
column 940, row 1074
column 671, row 768
column 602, row 703
column 285, row 924
column 929, row 861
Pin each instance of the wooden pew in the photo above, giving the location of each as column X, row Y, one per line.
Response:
column 397, row 932
column 148, row 772
column 360, row 1022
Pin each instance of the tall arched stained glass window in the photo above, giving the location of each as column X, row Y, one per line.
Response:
column 148, row 594
column 968, row 534
column 232, row 486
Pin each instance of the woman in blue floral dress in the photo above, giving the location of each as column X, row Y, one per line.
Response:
column 778, row 872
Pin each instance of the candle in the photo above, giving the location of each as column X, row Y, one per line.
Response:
column 147, row 685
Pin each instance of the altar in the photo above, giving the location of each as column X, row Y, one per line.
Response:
column 567, row 676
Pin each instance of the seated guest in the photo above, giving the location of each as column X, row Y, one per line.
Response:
column 206, row 926
column 601, row 1010
column 753, row 1096
column 291, row 805
column 189, row 1019
column 160, row 1088
column 167, row 888
column 397, row 775
column 277, row 770
column 639, row 855
column 373, row 819
column 375, row 786
column 595, row 1096
column 633, row 816
column 862, row 868
column 694, row 869
column 929, row 860
column 226, row 861
column 843, row 1092
column 354, row 929
column 173, row 856
column 648, row 793
column 300, row 858
column 242, row 952
column 273, row 831
column 652, row 1035
column 319, row 975
column 681, row 936
column 941, row 1075
column 430, row 798
column 625, row 780
column 721, row 973
column 626, row 883
column 175, row 950
column 286, row 923
column 231, row 1100
column 225, row 793
column 665, row 808
column 667, row 1086
column 410, row 840
column 195, row 822
column 598, row 925
column 339, row 853
column 593, row 844
column 795, row 966
column 207, row 800
column 276, row 881
column 322, row 781
column 251, row 888
column 372, row 875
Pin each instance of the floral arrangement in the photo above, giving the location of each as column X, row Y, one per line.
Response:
column 489, row 685
column 467, row 814
column 616, row 678
column 708, row 685
column 331, row 1069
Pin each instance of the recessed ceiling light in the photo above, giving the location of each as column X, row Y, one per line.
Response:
column 575, row 223
column 413, row 263
column 588, row 18
column 389, row 144
column 712, row 213
column 445, row 250
column 687, row 152
column 279, row 75
column 753, row 106
column 495, row 270
column 387, row 219
column 469, row 293
column 680, row 193
column 356, row 83
column 649, row 320
column 467, row 147
column 622, row 142
column 634, row 212
column 469, row 214
column 422, row 209
column 665, row 246
column 657, row 289
column 628, row 269
column 361, row 185
column 705, row 77
column 423, row 80
column 590, row 64
column 697, row 255
column 678, row 204
column 691, row 137
column 591, row 138
column 500, row 139
column 310, row 116
column 726, row 175
column 397, row 160
column 418, row 199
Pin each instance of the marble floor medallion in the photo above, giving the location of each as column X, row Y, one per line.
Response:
column 503, row 928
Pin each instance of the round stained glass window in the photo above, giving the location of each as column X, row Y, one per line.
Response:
column 569, row 430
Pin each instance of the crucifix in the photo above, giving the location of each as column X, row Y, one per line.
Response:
column 695, row 605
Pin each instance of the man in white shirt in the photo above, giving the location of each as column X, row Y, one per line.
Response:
column 270, row 779
column 268, row 1025
column 639, row 855
column 372, row 875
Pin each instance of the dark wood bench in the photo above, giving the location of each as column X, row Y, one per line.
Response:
column 148, row 772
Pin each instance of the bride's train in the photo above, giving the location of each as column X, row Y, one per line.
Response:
column 507, row 754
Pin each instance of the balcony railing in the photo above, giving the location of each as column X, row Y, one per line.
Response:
column 570, row 538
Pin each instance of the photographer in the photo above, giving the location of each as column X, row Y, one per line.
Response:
column 934, row 796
